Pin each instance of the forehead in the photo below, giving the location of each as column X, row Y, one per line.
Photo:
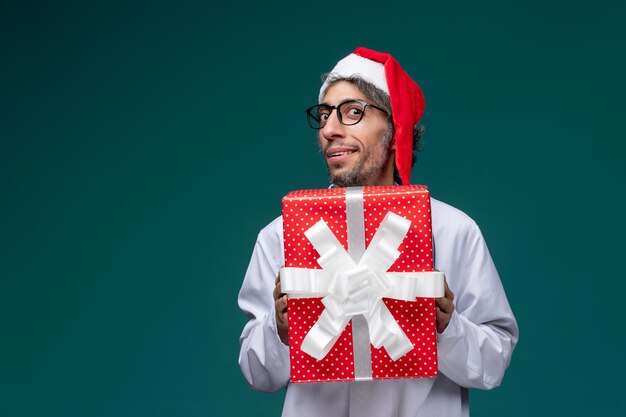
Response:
column 341, row 91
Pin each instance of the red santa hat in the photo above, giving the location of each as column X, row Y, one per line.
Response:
column 407, row 99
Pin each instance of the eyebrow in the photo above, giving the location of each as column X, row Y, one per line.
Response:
column 340, row 103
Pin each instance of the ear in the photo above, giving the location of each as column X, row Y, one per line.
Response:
column 393, row 144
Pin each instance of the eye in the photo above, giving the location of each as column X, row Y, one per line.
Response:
column 355, row 111
column 352, row 111
column 323, row 113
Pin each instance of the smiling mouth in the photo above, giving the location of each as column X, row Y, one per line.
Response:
column 338, row 154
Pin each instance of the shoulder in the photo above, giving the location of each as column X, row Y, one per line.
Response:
column 270, row 238
column 458, row 241
column 273, row 230
column 448, row 221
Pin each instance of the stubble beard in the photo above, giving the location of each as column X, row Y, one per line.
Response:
column 367, row 168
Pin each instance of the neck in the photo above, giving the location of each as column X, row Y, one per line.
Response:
column 386, row 174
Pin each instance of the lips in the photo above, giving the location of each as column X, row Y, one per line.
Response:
column 337, row 153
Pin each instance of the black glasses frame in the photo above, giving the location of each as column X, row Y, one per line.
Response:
column 365, row 104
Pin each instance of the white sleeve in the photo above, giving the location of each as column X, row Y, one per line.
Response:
column 475, row 349
column 263, row 358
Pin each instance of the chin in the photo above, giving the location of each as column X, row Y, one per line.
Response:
column 345, row 180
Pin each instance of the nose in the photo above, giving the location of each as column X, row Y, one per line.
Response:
column 333, row 129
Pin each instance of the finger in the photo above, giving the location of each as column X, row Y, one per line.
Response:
column 281, row 312
column 281, row 303
column 443, row 320
column 445, row 305
column 447, row 291
column 283, row 322
column 283, row 319
column 276, row 293
column 278, row 276
column 442, row 316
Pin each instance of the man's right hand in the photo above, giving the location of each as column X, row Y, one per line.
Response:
column 280, row 302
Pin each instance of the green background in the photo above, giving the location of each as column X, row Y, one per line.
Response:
column 145, row 144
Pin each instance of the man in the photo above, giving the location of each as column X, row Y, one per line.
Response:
column 364, row 142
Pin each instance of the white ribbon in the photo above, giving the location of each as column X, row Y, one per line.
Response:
column 350, row 288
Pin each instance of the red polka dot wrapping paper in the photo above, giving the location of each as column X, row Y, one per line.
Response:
column 301, row 210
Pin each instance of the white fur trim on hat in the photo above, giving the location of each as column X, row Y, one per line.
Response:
column 371, row 71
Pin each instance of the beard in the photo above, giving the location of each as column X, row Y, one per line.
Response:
column 363, row 172
column 369, row 166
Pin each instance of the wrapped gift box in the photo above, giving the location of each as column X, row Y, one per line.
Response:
column 360, row 283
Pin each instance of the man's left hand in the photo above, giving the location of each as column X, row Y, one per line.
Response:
column 445, row 307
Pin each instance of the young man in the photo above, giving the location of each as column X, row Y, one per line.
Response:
column 365, row 143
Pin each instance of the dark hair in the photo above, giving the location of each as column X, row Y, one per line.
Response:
column 380, row 99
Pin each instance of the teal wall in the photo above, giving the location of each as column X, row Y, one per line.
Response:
column 145, row 144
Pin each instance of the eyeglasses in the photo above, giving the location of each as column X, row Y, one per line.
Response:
column 349, row 113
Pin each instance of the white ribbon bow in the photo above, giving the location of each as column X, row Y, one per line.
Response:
column 351, row 288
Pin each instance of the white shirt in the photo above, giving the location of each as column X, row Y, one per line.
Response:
column 473, row 351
